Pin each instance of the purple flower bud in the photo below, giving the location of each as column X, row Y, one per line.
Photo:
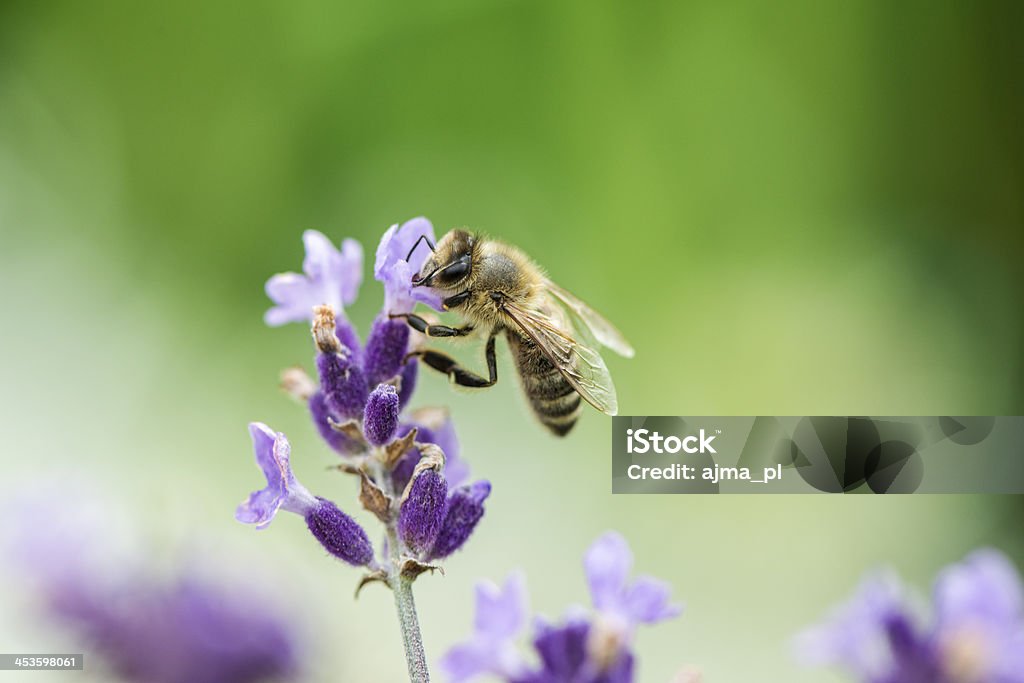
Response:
column 422, row 512
column 402, row 473
column 385, row 349
column 409, row 373
column 343, row 384
column 380, row 421
column 337, row 440
column 339, row 534
column 465, row 508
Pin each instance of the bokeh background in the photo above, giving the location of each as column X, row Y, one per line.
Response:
column 798, row 208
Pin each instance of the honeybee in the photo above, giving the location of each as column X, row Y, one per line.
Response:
column 552, row 335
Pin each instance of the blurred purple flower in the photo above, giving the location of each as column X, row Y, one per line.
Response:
column 979, row 625
column 331, row 277
column 501, row 614
column 976, row 634
column 392, row 268
column 856, row 635
column 83, row 564
column 567, row 655
column 188, row 631
column 583, row 648
column 644, row 601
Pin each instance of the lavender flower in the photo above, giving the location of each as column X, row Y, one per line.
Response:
column 644, row 601
column 332, row 278
column 976, row 634
column 335, row 530
column 501, row 615
column 568, row 653
column 187, row 631
column 464, row 508
column 283, row 490
column 583, row 648
column 392, row 268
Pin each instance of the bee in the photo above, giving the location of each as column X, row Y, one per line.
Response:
column 553, row 336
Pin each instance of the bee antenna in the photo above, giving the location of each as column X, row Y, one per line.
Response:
column 417, row 243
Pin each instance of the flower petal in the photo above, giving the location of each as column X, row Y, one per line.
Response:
column 291, row 293
column 647, row 601
column 467, row 660
column 331, row 277
column 392, row 268
column 984, row 590
column 352, row 266
column 282, row 490
column 855, row 634
column 501, row 612
column 607, row 564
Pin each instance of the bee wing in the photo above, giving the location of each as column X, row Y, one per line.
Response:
column 602, row 330
column 580, row 364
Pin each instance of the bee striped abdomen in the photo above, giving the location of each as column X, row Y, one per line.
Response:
column 555, row 402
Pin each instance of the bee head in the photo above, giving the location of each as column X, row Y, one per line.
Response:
column 450, row 264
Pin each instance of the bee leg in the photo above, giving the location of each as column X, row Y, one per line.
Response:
column 420, row 325
column 458, row 374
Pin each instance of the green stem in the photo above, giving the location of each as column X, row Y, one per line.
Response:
column 405, row 605
column 408, row 621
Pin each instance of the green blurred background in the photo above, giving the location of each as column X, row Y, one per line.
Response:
column 802, row 208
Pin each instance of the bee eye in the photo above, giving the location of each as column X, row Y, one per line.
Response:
column 456, row 271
